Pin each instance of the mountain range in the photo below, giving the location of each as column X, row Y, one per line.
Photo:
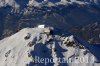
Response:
column 49, row 32
column 66, row 16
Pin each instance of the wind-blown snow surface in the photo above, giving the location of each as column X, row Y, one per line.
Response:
column 21, row 48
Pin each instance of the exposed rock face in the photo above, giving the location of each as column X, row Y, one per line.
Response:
column 17, row 51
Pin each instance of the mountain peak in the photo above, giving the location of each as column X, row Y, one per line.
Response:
column 21, row 48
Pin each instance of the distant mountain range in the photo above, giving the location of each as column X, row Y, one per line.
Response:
column 17, row 4
column 71, row 16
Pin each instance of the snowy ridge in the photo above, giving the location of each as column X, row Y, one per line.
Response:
column 62, row 2
column 21, row 48
column 14, row 3
column 18, row 6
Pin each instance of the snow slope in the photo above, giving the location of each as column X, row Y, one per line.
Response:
column 21, row 48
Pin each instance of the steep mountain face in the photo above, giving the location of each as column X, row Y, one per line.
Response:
column 24, row 47
column 91, row 31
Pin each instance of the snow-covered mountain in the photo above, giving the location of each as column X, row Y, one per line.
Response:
column 21, row 49
column 15, row 3
column 12, row 3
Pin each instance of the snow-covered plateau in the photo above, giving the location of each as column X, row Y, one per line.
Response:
column 21, row 48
